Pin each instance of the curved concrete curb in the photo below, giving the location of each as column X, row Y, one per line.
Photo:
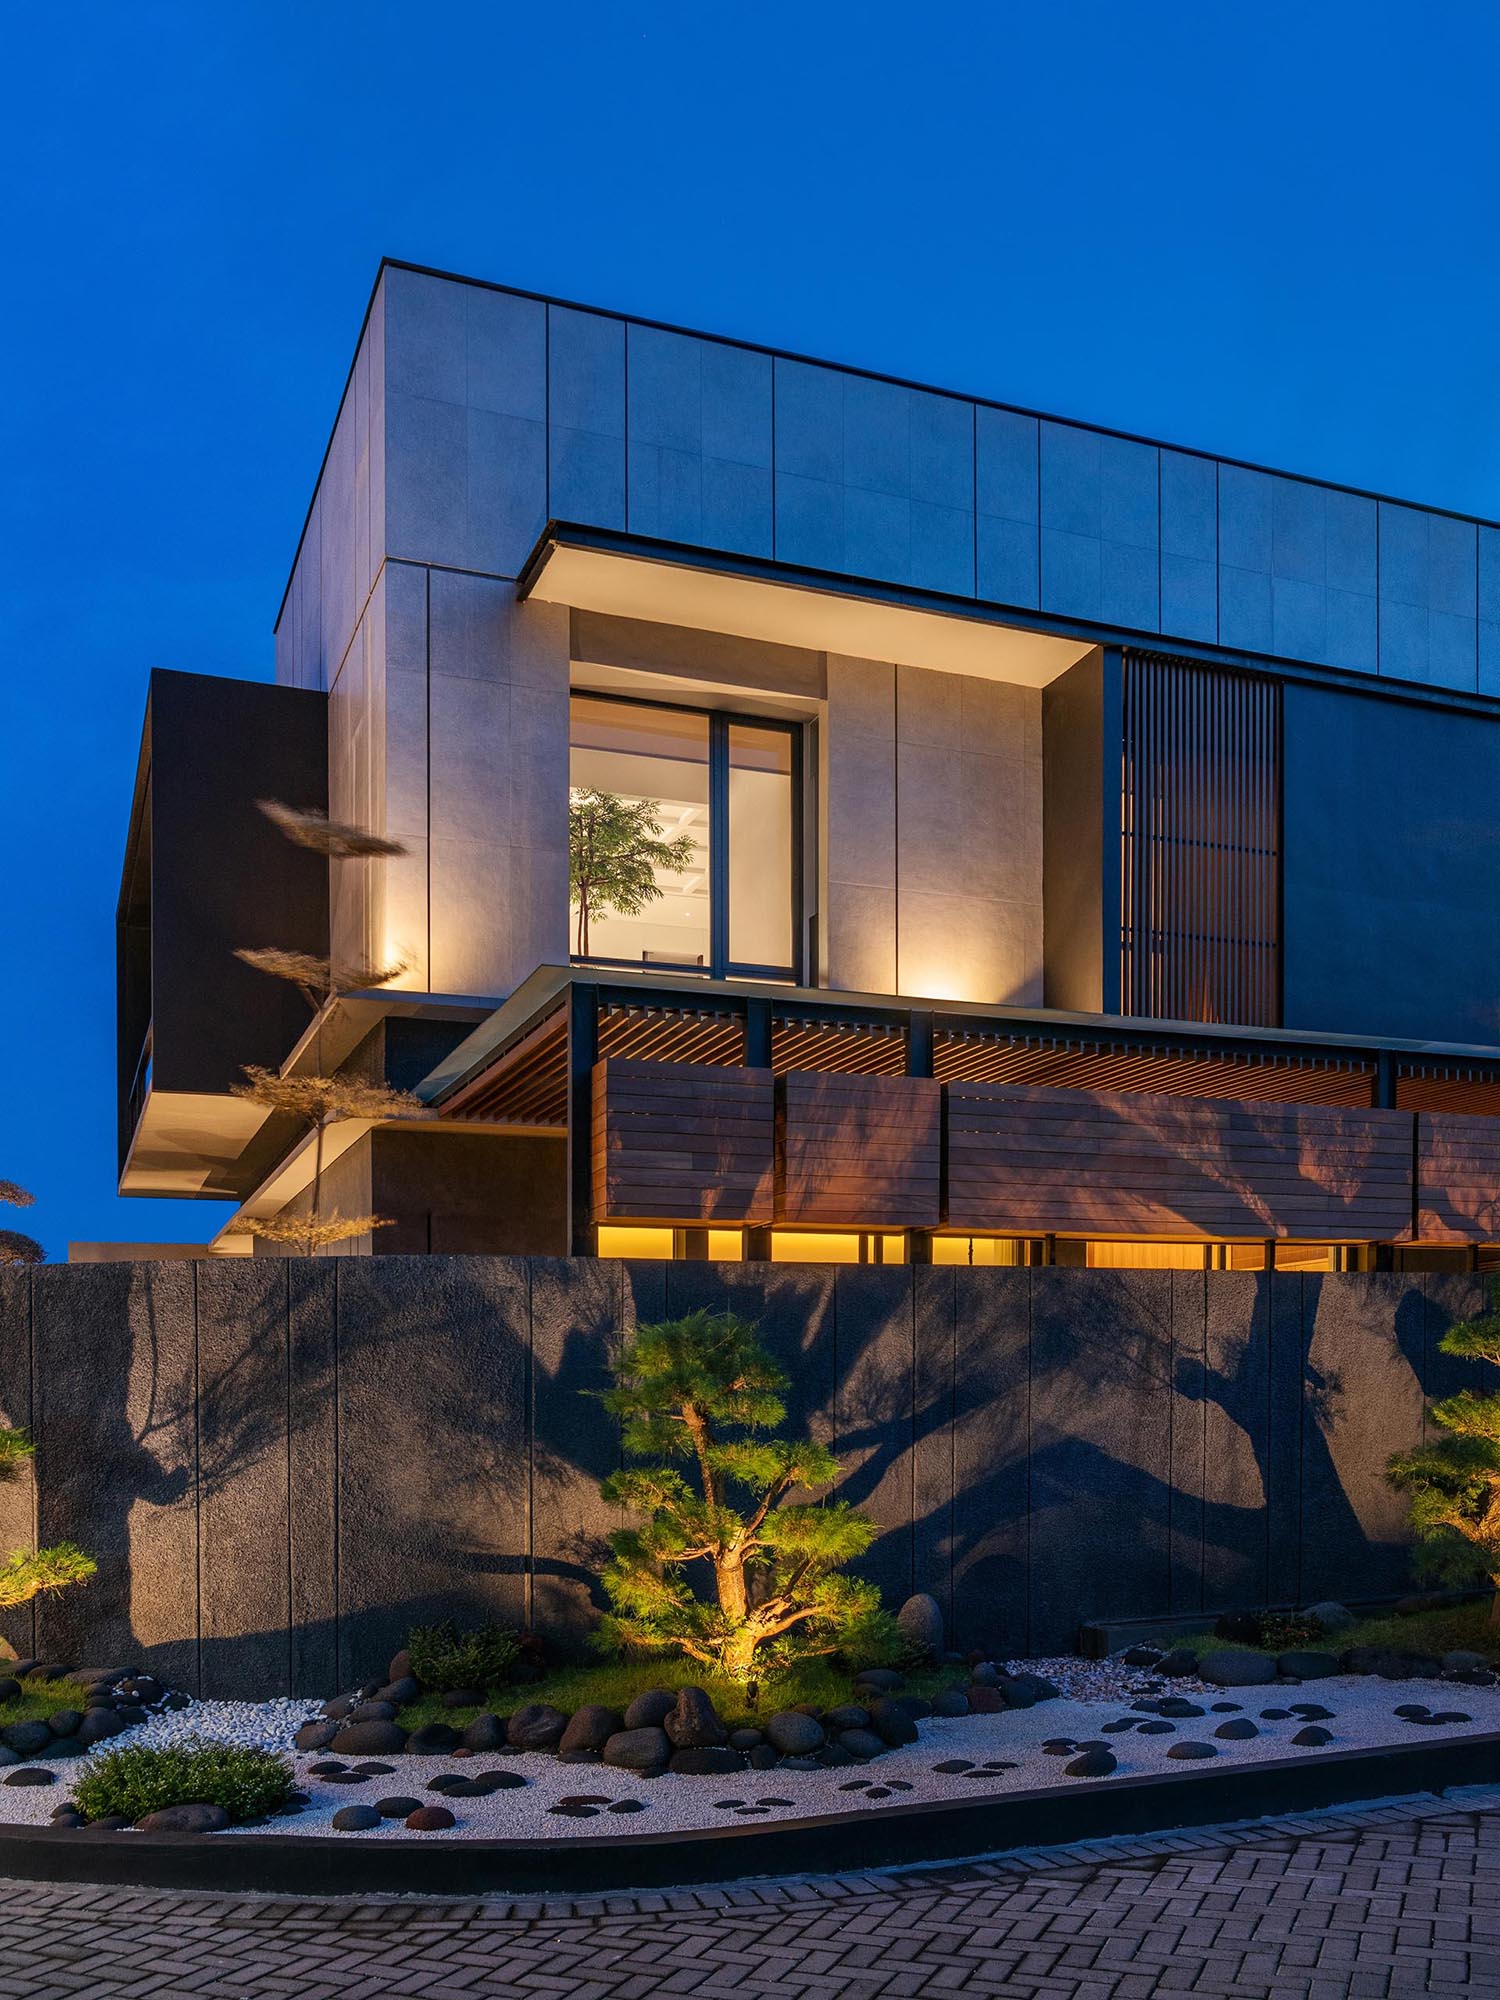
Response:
column 844, row 1843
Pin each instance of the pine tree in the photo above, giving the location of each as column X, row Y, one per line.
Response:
column 1454, row 1481
column 702, row 1388
column 614, row 850
column 28, row 1573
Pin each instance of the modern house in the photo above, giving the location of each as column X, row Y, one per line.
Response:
column 1087, row 850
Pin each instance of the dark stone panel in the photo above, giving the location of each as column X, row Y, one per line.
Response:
column 575, row 1326
column 933, row 1338
column 1450, row 1297
column 244, row 1606
column 643, row 1293
column 114, row 1416
column 433, row 1501
column 1100, row 1442
column 1365, row 1340
column 312, row 1321
column 794, row 1307
column 872, row 1414
column 1237, row 1474
column 991, row 1420
column 1189, row 1424
column 1284, row 1409
column 17, row 1500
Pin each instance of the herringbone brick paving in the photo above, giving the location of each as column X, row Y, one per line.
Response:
column 1359, row 1903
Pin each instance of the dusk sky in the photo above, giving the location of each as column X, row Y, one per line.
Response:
column 1270, row 232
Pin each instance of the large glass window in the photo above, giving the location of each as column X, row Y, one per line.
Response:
column 683, row 839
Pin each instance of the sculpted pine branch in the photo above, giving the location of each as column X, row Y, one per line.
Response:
column 15, row 1247
column 29, row 1573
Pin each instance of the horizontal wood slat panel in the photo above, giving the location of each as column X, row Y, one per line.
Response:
column 1458, row 1178
column 682, row 1142
column 858, row 1152
column 1040, row 1161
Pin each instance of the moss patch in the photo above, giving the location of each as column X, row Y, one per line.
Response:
column 41, row 1699
column 615, row 1684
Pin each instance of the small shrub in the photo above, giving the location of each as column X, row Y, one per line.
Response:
column 1286, row 1633
column 442, row 1657
column 135, row 1781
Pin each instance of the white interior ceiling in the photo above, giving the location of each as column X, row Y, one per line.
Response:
column 629, row 586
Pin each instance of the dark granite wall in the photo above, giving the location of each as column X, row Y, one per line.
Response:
column 282, row 1464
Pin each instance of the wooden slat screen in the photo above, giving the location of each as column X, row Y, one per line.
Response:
column 682, row 1142
column 1200, row 843
column 1030, row 1160
column 1458, row 1178
column 858, row 1152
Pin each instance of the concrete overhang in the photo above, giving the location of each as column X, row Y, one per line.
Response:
column 782, row 606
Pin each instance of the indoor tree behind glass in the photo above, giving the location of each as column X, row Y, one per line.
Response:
column 615, row 847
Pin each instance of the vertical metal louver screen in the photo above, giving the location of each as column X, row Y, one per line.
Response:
column 1200, row 847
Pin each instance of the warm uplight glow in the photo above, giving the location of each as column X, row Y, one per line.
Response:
column 826, row 1246
column 726, row 1246
column 988, row 1250
column 619, row 1241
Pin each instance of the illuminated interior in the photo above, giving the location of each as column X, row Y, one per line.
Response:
column 824, row 1246
column 669, row 1243
column 725, row 785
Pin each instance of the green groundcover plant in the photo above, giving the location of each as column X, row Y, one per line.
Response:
column 136, row 1780
column 443, row 1657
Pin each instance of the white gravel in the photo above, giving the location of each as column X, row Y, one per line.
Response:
column 1362, row 1717
column 258, row 1725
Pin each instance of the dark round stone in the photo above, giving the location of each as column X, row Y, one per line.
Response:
column 751, row 1739
column 485, row 1732
column 339, row 1708
column 1238, row 1731
column 430, row 1819
column 950, row 1702
column 638, row 1749
column 403, row 1690
column 500, row 1781
column 1276, row 1715
column 589, row 1729
column 702, row 1760
column 763, row 1758
column 885, row 1679
column 434, row 1739
column 315, row 1735
column 326, row 1767
column 27, row 1739
column 1224, row 1707
column 951, row 1767
column 396, row 1807
column 98, row 1725
column 369, row 1739
column 1094, row 1763
column 185, row 1819
column 862, row 1744
column 345, row 1778
column 1179, row 1706
column 1187, row 1751
column 795, row 1734
column 355, row 1819
column 10, row 1690
column 65, row 1721
column 628, row 1806
column 375, row 1770
column 694, row 1722
column 65, row 1746
column 891, row 1723
column 373, row 1711
column 537, row 1726
column 1179, row 1663
column 1114, row 1728
column 1157, row 1729
column 28, row 1774
column 650, row 1709
column 1312, row 1737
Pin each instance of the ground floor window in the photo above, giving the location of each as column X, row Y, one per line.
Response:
column 683, row 836
column 820, row 1246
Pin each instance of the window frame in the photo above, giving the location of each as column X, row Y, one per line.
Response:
column 720, row 721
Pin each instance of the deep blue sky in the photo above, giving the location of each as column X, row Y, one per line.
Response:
column 1269, row 231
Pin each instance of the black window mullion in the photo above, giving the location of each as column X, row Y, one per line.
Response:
column 718, row 845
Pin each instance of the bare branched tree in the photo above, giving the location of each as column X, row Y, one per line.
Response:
column 317, row 1102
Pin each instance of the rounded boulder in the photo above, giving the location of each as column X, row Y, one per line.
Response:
column 1237, row 1670
column 1308, row 1666
column 26, row 1738
column 651, row 1709
column 430, row 1819
column 706, row 1760
column 921, row 1621
column 891, row 1723
column 365, row 1739
column 794, row 1734
column 589, row 1729
column 433, row 1739
column 537, row 1726
column 485, row 1732
column 355, row 1819
column 645, row 1749
column 185, row 1819
column 311, row 1736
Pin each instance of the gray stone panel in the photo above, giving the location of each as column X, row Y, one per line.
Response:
column 1007, row 500
column 506, row 500
column 18, row 1499
column 1070, row 480
column 809, row 521
column 1246, row 532
column 1100, row 1448
column 114, row 1417
column 809, row 423
column 1071, row 581
column 312, row 1487
column 872, row 1413
column 243, row 1474
column 1365, row 1344
column 1489, row 610
column 992, row 1355
column 1450, row 1297
column 933, row 1334
column 433, row 1520
column 576, row 1324
column 427, row 461
column 700, row 441
column 505, row 354
column 1428, row 597
column 586, row 403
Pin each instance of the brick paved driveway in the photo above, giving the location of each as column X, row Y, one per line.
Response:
column 1396, row 1899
